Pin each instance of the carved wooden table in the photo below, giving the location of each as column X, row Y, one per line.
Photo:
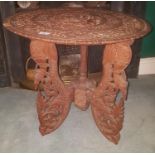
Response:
column 84, row 27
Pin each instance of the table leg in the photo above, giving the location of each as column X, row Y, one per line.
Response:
column 83, row 88
column 53, row 103
column 107, row 109
column 83, row 62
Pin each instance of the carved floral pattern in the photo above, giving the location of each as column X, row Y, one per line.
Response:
column 107, row 110
column 80, row 26
column 77, row 25
column 53, row 102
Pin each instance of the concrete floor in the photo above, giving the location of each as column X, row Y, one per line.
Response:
column 19, row 124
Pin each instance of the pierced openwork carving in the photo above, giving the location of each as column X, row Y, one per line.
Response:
column 107, row 110
column 80, row 26
column 53, row 102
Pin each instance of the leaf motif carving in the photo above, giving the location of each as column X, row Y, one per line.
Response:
column 53, row 103
column 109, row 113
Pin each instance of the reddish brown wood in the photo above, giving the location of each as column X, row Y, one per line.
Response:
column 79, row 26
column 54, row 102
column 83, row 61
column 83, row 88
column 107, row 110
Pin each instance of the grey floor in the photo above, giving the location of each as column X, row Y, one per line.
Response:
column 19, row 124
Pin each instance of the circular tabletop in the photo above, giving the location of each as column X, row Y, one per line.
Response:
column 77, row 26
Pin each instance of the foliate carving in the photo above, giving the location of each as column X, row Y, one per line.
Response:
column 53, row 102
column 77, row 25
column 107, row 109
column 80, row 26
